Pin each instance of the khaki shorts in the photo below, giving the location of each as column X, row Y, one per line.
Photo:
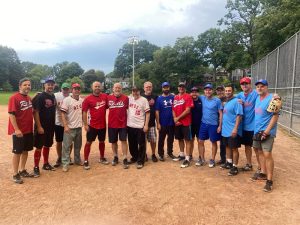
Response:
column 266, row 145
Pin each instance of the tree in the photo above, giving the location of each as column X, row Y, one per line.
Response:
column 90, row 76
column 74, row 80
column 66, row 70
column 37, row 73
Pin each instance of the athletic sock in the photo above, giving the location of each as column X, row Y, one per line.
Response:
column 101, row 149
column 46, row 154
column 37, row 157
column 229, row 160
column 234, row 165
column 181, row 154
column 187, row 158
column 86, row 153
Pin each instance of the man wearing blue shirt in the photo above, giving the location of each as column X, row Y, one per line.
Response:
column 265, row 131
column 231, row 129
column 164, row 121
column 211, row 122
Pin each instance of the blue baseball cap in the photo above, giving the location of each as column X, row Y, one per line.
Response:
column 208, row 86
column 261, row 81
column 49, row 79
column 165, row 84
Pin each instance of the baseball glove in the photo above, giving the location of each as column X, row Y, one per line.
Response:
column 275, row 105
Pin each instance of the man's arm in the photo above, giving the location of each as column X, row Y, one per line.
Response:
column 182, row 115
column 220, row 121
column 146, row 121
column 84, row 118
column 157, row 120
column 13, row 121
column 236, row 125
column 65, row 123
column 272, row 123
column 36, row 116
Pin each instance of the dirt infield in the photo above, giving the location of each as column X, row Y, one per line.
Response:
column 160, row 193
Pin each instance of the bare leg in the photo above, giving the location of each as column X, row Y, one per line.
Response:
column 124, row 149
column 24, row 157
column 248, row 153
column 201, row 149
column 235, row 156
column 114, row 147
column 192, row 146
column 269, row 164
column 214, row 149
column 15, row 162
column 262, row 161
column 181, row 146
column 257, row 157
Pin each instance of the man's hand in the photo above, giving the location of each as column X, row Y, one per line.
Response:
column 158, row 126
column 176, row 120
column 219, row 129
column 240, row 101
column 66, row 129
column 40, row 130
column 18, row 133
column 145, row 129
column 234, row 133
column 86, row 127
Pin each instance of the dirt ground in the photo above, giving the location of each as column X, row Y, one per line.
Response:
column 160, row 193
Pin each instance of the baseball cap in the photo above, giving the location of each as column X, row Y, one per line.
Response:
column 245, row 80
column 181, row 84
column 208, row 86
column 261, row 81
column 65, row 85
column 49, row 79
column 135, row 88
column 220, row 87
column 165, row 84
column 195, row 89
column 75, row 85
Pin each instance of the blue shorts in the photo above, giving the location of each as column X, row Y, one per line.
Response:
column 209, row 132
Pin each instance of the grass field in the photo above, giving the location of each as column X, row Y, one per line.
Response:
column 4, row 97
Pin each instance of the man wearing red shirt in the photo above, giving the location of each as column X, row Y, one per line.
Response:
column 117, row 123
column 95, row 106
column 182, row 105
column 20, row 126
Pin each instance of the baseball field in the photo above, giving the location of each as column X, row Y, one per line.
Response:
column 160, row 193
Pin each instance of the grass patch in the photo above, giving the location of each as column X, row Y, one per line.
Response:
column 4, row 97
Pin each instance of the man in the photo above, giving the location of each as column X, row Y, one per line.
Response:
column 182, row 105
column 196, row 121
column 164, row 121
column 232, row 129
column 59, row 128
column 221, row 95
column 20, row 126
column 211, row 122
column 151, row 134
column 137, row 126
column 117, row 123
column 44, row 105
column 95, row 106
column 265, row 131
column 71, row 109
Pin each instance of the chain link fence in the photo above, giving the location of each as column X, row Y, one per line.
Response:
column 281, row 68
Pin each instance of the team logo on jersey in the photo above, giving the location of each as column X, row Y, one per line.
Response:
column 113, row 104
column 248, row 104
column 100, row 104
column 178, row 102
column 168, row 103
column 258, row 111
column 48, row 103
column 79, row 106
column 151, row 102
column 24, row 105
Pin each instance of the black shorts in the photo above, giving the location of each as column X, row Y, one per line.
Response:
column 21, row 144
column 232, row 142
column 93, row 133
column 59, row 133
column 247, row 138
column 195, row 130
column 45, row 139
column 183, row 132
column 113, row 134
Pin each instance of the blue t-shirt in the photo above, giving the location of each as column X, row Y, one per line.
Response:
column 210, row 110
column 232, row 109
column 262, row 116
column 197, row 112
column 249, row 105
column 164, row 106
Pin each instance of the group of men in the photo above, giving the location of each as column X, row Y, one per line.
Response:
column 232, row 120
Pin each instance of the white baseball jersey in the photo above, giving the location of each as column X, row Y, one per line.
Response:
column 59, row 99
column 136, row 112
column 73, row 110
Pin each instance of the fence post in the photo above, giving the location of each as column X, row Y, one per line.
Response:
column 277, row 66
column 266, row 75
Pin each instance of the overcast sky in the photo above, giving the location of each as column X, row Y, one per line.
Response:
column 91, row 32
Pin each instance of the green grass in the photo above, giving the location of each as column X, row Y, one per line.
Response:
column 4, row 97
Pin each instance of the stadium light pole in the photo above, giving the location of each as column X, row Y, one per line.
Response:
column 133, row 40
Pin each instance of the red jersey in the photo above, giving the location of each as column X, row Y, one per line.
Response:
column 21, row 106
column 96, row 107
column 118, row 106
column 181, row 102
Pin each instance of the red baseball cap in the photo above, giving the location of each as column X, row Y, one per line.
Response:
column 75, row 85
column 245, row 80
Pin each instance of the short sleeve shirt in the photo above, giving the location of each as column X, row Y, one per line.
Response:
column 164, row 107
column 21, row 106
column 117, row 117
column 151, row 100
column 181, row 103
column 96, row 106
column 137, row 110
column 59, row 97
column 73, row 109
column 210, row 110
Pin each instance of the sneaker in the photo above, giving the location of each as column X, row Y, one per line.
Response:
column 233, row 171
column 191, row 158
column 47, row 166
column 25, row 174
column 86, row 165
column 161, row 158
column 259, row 177
column 199, row 162
column 58, row 163
column 185, row 163
column 211, row 163
column 36, row 171
column 131, row 161
column 125, row 164
column 269, row 186
column 115, row 161
column 154, row 159
column 65, row 169
column 139, row 166
column 226, row 165
column 71, row 162
column 179, row 158
column 146, row 158
column 17, row 179
column 247, row 167
column 171, row 156
column 103, row 161
column 221, row 162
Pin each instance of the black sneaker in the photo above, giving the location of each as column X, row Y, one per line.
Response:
column 25, row 174
column 185, row 163
column 171, row 156
column 125, row 164
column 58, row 163
column 221, row 162
column 259, row 177
column 191, row 158
column 132, row 161
column 154, row 159
column 227, row 166
column 233, row 171
column 115, row 161
column 139, row 166
column 17, row 179
column 36, row 171
column 103, row 161
column 161, row 158
column 179, row 158
column 247, row 167
column 269, row 186
column 86, row 165
column 47, row 166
